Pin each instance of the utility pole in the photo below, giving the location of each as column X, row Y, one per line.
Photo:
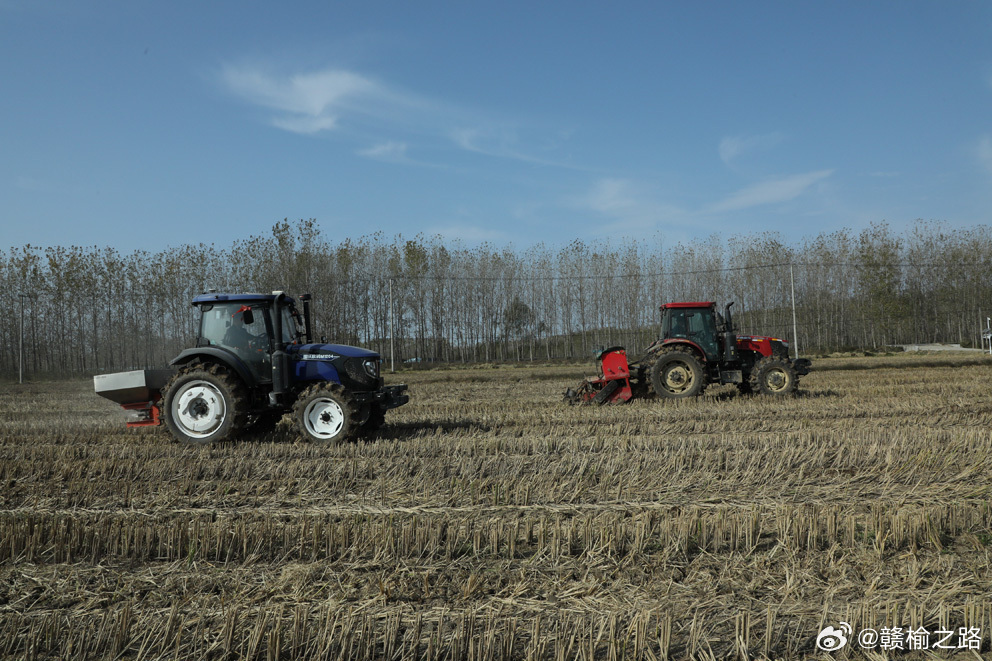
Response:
column 392, row 333
column 795, row 332
column 20, row 347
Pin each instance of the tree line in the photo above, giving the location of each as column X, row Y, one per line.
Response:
column 424, row 299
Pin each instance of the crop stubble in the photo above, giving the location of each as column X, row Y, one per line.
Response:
column 489, row 520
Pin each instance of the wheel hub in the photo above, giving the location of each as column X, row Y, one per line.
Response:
column 678, row 378
column 776, row 380
column 323, row 418
column 200, row 409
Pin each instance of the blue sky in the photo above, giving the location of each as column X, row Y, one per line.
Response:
column 141, row 124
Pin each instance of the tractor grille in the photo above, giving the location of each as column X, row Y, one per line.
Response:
column 364, row 371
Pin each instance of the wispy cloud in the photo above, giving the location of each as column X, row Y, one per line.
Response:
column 628, row 205
column 503, row 142
column 347, row 102
column 614, row 197
column 306, row 102
column 393, row 152
column 771, row 191
column 734, row 146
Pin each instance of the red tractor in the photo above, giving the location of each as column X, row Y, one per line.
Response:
column 698, row 346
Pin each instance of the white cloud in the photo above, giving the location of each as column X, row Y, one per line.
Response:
column 613, row 197
column 345, row 101
column 386, row 151
column 489, row 142
column 771, row 191
column 304, row 124
column 733, row 146
column 504, row 142
column 466, row 139
column 308, row 102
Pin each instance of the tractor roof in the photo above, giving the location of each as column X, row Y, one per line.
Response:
column 219, row 297
column 696, row 304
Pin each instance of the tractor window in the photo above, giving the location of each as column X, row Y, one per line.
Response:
column 680, row 322
column 701, row 321
column 290, row 331
column 694, row 324
column 215, row 322
column 224, row 325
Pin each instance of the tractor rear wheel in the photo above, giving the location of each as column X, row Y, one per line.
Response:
column 677, row 374
column 324, row 413
column 204, row 403
column 773, row 376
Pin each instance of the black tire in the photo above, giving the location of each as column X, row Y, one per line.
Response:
column 204, row 403
column 677, row 374
column 324, row 413
column 376, row 419
column 774, row 376
column 604, row 394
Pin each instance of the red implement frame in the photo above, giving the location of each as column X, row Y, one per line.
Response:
column 613, row 386
column 148, row 414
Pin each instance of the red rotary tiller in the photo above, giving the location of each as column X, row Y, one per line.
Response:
column 613, row 387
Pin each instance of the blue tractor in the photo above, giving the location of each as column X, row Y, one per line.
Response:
column 254, row 361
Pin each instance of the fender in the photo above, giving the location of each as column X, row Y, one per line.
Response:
column 759, row 344
column 698, row 350
column 217, row 355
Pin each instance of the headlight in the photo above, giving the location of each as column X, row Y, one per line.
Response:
column 365, row 372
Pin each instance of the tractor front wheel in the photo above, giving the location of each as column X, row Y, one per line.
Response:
column 677, row 374
column 774, row 376
column 324, row 413
column 204, row 403
column 377, row 418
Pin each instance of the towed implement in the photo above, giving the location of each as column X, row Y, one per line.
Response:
column 698, row 347
column 255, row 361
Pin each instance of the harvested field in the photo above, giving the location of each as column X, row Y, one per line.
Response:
column 491, row 521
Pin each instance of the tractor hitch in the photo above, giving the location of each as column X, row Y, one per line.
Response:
column 388, row 397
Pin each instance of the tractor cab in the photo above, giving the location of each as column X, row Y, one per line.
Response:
column 700, row 324
column 251, row 326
